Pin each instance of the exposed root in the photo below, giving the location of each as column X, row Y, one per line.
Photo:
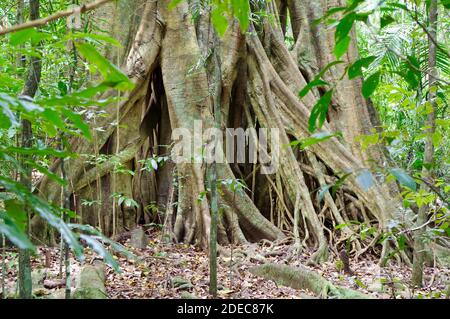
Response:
column 303, row 278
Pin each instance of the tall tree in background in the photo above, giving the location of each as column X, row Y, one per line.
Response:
column 417, row 272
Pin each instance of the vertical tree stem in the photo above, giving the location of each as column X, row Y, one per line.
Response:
column 418, row 256
column 213, row 177
column 29, row 91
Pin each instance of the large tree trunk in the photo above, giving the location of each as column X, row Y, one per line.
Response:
column 261, row 76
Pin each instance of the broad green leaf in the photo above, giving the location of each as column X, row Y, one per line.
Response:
column 80, row 124
column 219, row 21
column 29, row 106
column 16, row 211
column 30, row 34
column 310, row 85
column 100, row 249
column 412, row 74
column 370, row 84
column 403, row 178
column 436, row 137
column 356, row 68
column 385, row 20
column 62, row 86
column 344, row 26
column 14, row 234
column 326, row 68
column 48, row 214
column 46, row 172
column 446, row 4
column 341, row 47
column 241, row 10
column 354, row 4
column 22, row 36
column 108, row 70
column 339, row 183
column 401, row 240
column 54, row 118
column 45, row 210
column 319, row 111
column 98, row 37
column 360, row 283
column 329, row 13
column 173, row 4
column 315, row 139
column 35, row 151
column 98, row 235
column 9, row 115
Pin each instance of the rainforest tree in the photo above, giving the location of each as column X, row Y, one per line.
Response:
column 168, row 56
column 285, row 65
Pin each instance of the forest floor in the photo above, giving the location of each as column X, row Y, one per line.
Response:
column 181, row 271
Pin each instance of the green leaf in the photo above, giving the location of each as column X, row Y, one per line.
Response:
column 173, row 4
column 16, row 211
column 14, row 234
column 29, row 106
column 108, row 70
column 241, row 10
column 412, row 75
column 339, row 183
column 356, row 68
column 100, row 249
column 30, row 34
column 62, row 86
column 446, row 4
column 403, row 178
column 35, row 151
column 436, row 137
column 326, row 68
column 341, row 47
column 54, row 118
column 9, row 115
column 315, row 139
column 97, row 234
column 219, row 21
column 340, row 226
column 22, row 36
column 310, row 85
column 97, row 37
column 330, row 12
column 319, row 111
column 354, row 4
column 360, row 283
column 46, row 172
column 370, row 84
column 79, row 123
column 386, row 20
column 344, row 26
column 401, row 240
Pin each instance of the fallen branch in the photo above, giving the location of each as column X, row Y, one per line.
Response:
column 303, row 278
column 61, row 14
